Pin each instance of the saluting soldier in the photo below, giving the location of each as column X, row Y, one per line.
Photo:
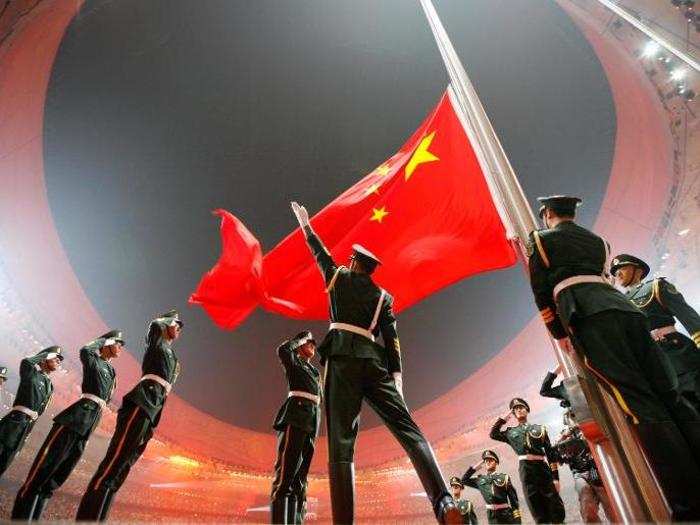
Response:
column 33, row 396
column 465, row 507
column 357, row 368
column 662, row 303
column 64, row 446
column 297, row 424
column 496, row 488
column 538, row 467
column 137, row 418
column 568, row 275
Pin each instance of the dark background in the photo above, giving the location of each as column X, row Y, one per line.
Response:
column 160, row 111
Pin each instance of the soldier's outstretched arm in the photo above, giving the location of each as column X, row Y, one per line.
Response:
column 496, row 432
column 90, row 352
column 547, row 390
column 284, row 352
column 321, row 254
column 544, row 293
column 676, row 304
column 469, row 479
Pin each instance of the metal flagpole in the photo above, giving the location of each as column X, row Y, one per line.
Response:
column 628, row 479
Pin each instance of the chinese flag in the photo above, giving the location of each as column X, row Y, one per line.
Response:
column 426, row 212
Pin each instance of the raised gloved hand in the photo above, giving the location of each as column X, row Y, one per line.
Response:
column 301, row 214
column 398, row 382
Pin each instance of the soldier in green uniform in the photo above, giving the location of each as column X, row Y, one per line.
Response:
column 662, row 303
column 137, row 418
column 297, row 424
column 496, row 488
column 538, row 467
column 465, row 507
column 64, row 446
column 581, row 310
column 33, row 395
column 357, row 369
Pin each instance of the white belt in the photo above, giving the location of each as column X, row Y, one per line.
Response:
column 659, row 333
column 31, row 413
column 578, row 279
column 162, row 382
column 531, row 457
column 497, row 506
column 352, row 328
column 92, row 397
column 307, row 395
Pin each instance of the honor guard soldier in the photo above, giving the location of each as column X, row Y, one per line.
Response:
column 465, row 507
column 137, row 418
column 357, row 368
column 572, row 449
column 64, row 446
column 581, row 310
column 297, row 424
column 662, row 303
column 33, row 396
column 538, row 468
column 496, row 488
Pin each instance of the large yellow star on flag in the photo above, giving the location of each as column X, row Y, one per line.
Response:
column 379, row 214
column 421, row 155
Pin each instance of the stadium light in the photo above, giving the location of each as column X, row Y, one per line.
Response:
column 650, row 49
column 678, row 74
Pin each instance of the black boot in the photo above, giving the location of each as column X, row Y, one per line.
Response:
column 423, row 459
column 342, row 479
column 106, row 505
column 278, row 511
column 39, row 507
column 24, row 507
column 92, row 506
column 673, row 465
column 291, row 510
column 301, row 510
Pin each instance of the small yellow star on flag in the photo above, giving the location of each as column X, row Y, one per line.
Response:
column 383, row 170
column 379, row 214
column 372, row 188
column 421, row 155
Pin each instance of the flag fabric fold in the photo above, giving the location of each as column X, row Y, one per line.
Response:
column 426, row 212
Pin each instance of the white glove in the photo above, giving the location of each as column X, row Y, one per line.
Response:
column 564, row 344
column 398, row 382
column 301, row 214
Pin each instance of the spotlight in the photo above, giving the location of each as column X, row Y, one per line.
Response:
column 650, row 49
column 689, row 15
column 678, row 74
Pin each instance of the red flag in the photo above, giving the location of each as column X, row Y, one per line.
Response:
column 427, row 213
